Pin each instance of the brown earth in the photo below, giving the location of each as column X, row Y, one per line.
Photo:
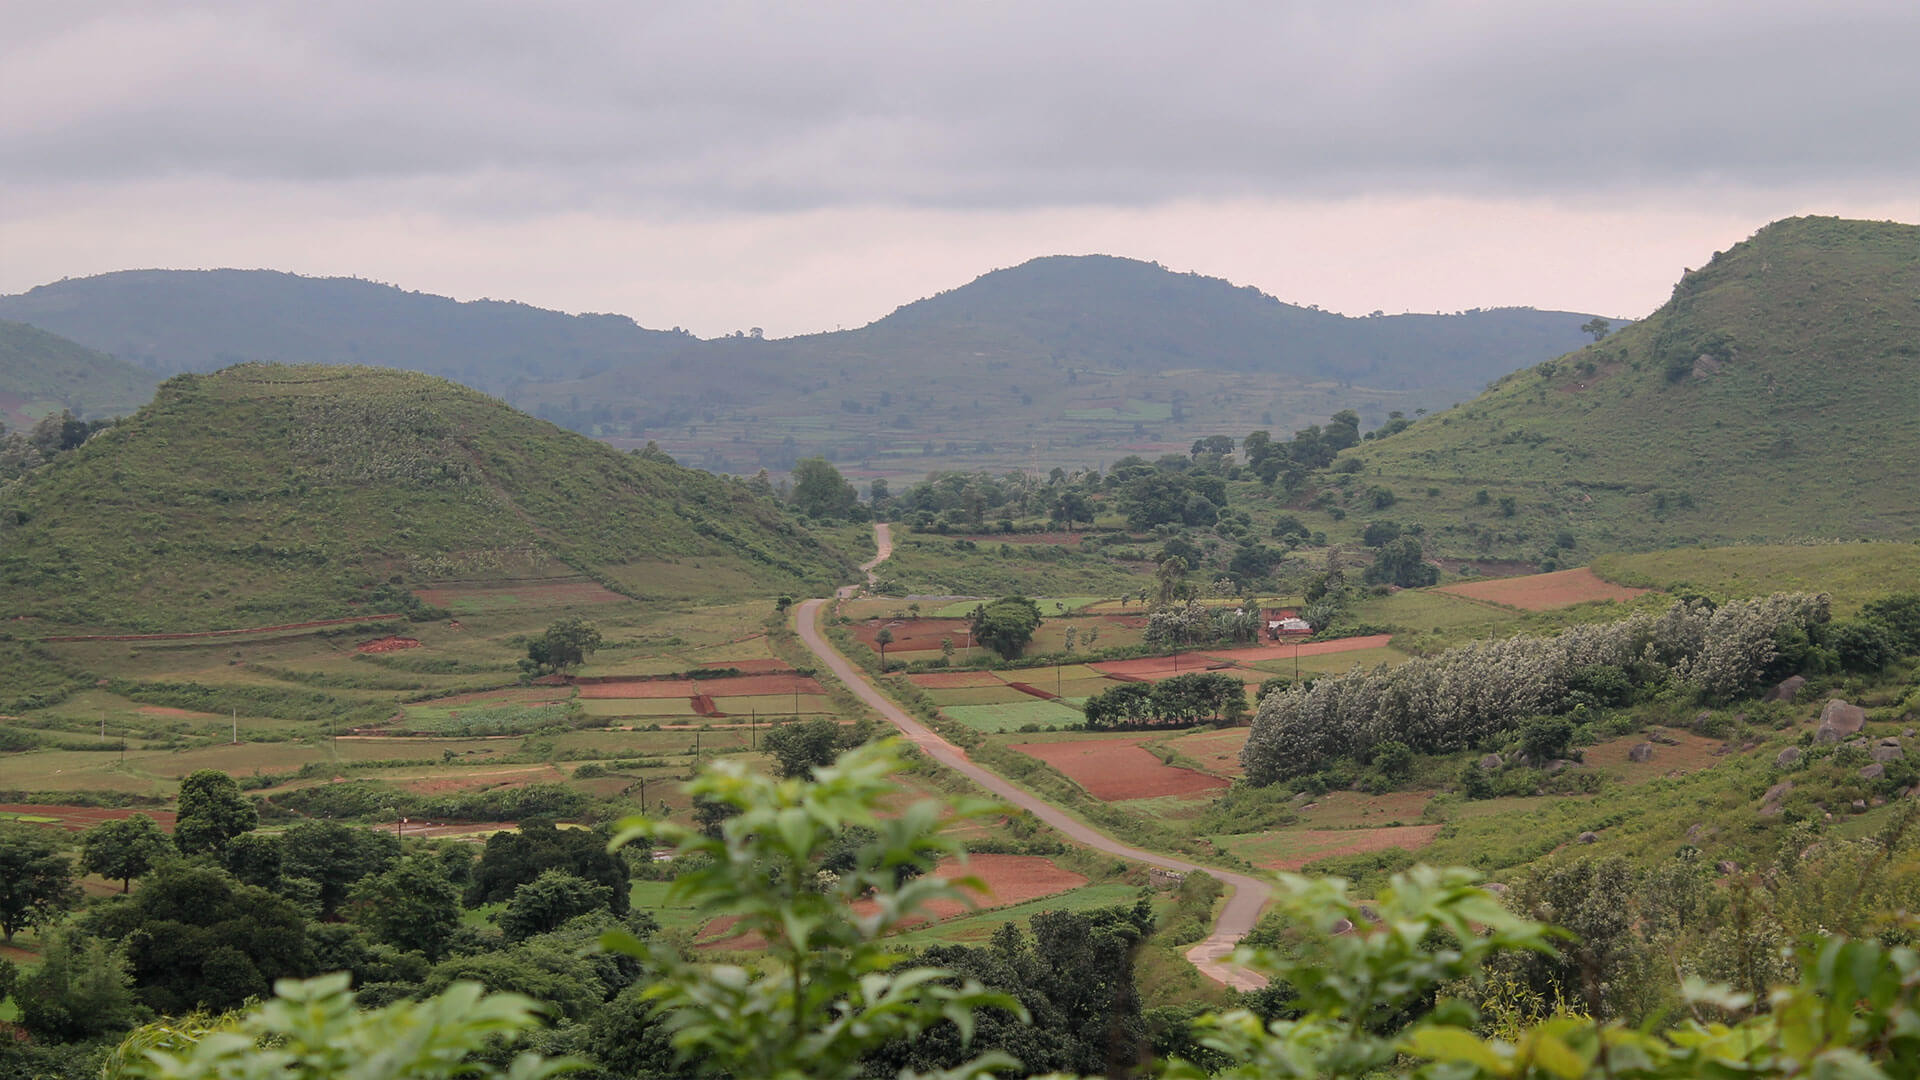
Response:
column 1217, row 750
column 1544, row 592
column 1033, row 691
column 1116, row 769
column 1284, row 651
column 82, row 818
column 1326, row 843
column 913, row 635
column 1691, row 752
column 389, row 644
column 1009, row 879
column 703, row 706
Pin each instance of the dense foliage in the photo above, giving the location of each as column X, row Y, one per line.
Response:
column 1468, row 694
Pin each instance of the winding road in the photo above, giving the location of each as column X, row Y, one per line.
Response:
column 1249, row 894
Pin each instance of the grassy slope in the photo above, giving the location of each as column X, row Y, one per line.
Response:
column 266, row 493
column 42, row 372
column 1804, row 429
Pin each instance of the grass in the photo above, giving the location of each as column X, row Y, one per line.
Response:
column 1853, row 573
column 1049, row 605
column 976, row 929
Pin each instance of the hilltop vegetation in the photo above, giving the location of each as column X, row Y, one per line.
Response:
column 1741, row 411
column 1056, row 360
column 267, row 494
column 42, row 373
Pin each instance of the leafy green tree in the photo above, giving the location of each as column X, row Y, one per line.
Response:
column 1402, row 562
column 548, row 901
column 36, row 879
column 1596, row 326
column 827, row 989
column 211, row 813
column 1006, row 625
column 80, row 990
column 883, row 639
column 1900, row 615
column 511, row 859
column 820, row 491
column 799, row 748
column 412, row 905
column 565, row 644
column 196, row 937
column 123, row 849
column 314, row 1031
column 335, row 856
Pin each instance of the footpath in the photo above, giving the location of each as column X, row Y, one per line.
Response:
column 1248, row 894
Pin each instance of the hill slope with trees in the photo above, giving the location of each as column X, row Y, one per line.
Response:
column 42, row 373
column 1770, row 399
column 265, row 494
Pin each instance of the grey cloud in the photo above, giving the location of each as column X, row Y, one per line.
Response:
column 696, row 106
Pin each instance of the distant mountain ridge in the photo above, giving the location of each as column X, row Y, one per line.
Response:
column 1773, row 398
column 1072, row 351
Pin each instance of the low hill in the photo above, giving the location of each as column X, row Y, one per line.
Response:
column 43, row 373
column 268, row 494
column 1772, row 398
column 1062, row 360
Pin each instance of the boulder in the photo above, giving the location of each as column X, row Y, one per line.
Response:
column 1495, row 887
column 1891, row 740
column 1787, row 689
column 1770, row 802
column 1860, row 805
column 1698, row 831
column 1588, row 837
column 1641, row 752
column 1344, row 926
column 1825, row 734
column 1843, row 718
column 1787, row 758
column 1872, row 772
column 1557, row 765
column 1492, row 762
column 1888, row 753
column 1728, row 866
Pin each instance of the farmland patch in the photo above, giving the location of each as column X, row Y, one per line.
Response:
column 1117, row 769
column 1544, row 592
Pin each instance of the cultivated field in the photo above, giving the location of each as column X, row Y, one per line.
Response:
column 1119, row 768
column 1544, row 592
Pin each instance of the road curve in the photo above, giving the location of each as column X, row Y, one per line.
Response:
column 1249, row 893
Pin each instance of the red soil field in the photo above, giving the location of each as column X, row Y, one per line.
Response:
column 1010, row 879
column 389, row 644
column 764, row 666
column 1310, row 648
column 82, row 818
column 1160, row 667
column 913, row 635
column 1217, row 750
column 1117, row 769
column 1543, row 592
column 1033, row 691
column 953, row 680
column 741, row 686
column 563, row 592
column 703, row 706
column 1325, row 843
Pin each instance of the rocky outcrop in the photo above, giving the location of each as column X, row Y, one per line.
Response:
column 1787, row 690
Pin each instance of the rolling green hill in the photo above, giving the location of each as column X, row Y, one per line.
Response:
column 1062, row 360
column 43, row 373
column 1772, row 398
column 266, row 494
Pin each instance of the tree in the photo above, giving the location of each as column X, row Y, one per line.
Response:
column 1006, row 625
column 826, row 988
column 36, row 879
column 1402, row 562
column 123, row 850
column 548, row 901
column 511, row 859
column 211, row 813
column 799, row 748
column 81, row 990
column 335, row 856
column 1596, row 326
column 883, row 639
column 566, row 644
column 820, row 491
column 412, row 905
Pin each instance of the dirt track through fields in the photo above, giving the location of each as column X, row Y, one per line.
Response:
column 1249, row 893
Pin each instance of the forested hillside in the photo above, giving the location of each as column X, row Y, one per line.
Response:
column 43, row 373
column 268, row 494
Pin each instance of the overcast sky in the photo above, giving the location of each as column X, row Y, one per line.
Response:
column 805, row 166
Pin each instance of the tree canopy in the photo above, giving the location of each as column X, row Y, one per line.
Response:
column 36, row 879
column 1005, row 625
column 211, row 813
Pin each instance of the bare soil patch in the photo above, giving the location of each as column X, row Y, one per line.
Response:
column 1284, row 651
column 703, row 706
column 1689, row 752
column 1154, row 668
column 1544, row 592
column 389, row 644
column 1217, row 750
column 1313, row 844
column 1009, row 879
column 913, row 635
column 1033, row 691
column 1116, row 769
column 82, row 818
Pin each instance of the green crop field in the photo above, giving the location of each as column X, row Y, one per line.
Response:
column 638, row 707
column 739, row 708
column 978, row 695
column 1011, row 717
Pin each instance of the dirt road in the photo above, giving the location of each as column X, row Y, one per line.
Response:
column 1249, row 893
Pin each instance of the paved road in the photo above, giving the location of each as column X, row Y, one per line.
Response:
column 1249, row 893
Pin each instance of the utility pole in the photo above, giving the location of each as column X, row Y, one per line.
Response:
column 753, row 732
column 236, row 725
